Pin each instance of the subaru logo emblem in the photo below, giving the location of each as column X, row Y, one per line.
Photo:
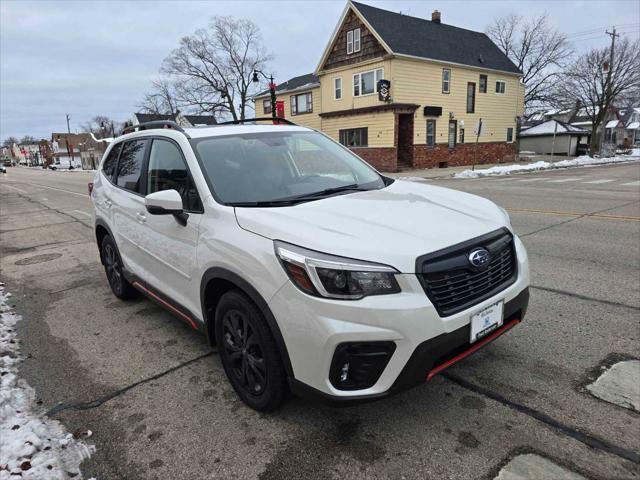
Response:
column 479, row 258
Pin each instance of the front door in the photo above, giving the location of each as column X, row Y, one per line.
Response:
column 405, row 140
column 453, row 130
column 169, row 246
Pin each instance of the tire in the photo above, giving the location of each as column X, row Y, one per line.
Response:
column 120, row 287
column 249, row 354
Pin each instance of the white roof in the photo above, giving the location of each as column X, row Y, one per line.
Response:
column 612, row 124
column 633, row 125
column 548, row 127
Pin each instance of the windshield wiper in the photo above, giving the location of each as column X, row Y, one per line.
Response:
column 264, row 203
column 354, row 187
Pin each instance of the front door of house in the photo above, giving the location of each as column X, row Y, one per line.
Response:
column 453, row 130
column 405, row 140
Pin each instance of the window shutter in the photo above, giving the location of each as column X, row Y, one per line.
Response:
column 356, row 40
column 350, row 42
column 294, row 110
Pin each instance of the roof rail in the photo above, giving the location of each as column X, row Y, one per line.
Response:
column 264, row 119
column 155, row 124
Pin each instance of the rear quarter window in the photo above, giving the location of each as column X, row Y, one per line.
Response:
column 130, row 165
column 109, row 165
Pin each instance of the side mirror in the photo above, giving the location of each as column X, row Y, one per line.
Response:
column 166, row 202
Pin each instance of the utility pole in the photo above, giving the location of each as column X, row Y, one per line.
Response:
column 69, row 146
column 607, row 95
column 553, row 144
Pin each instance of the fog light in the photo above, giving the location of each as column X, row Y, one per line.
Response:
column 344, row 372
column 358, row 365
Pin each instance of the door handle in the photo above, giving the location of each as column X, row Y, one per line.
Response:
column 141, row 217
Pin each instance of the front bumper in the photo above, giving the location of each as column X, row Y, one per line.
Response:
column 427, row 360
column 312, row 328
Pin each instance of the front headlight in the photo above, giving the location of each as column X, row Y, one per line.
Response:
column 331, row 276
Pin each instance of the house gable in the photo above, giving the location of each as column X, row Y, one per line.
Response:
column 336, row 54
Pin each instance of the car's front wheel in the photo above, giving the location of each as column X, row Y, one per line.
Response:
column 249, row 354
column 120, row 287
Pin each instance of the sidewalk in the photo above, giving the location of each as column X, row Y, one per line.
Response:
column 431, row 173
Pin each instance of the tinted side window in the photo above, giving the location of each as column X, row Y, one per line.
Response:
column 168, row 171
column 109, row 165
column 130, row 165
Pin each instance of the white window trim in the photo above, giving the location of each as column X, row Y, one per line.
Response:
column 335, row 89
column 375, row 82
column 349, row 42
column 505, row 87
column 448, row 90
column 359, row 38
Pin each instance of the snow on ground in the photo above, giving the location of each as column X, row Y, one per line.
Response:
column 31, row 446
column 542, row 165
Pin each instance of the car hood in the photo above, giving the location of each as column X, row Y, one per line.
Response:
column 394, row 225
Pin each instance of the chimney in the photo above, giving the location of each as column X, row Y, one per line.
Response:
column 435, row 16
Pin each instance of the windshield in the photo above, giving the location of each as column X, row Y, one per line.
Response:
column 281, row 167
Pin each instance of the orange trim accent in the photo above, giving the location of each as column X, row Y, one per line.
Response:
column 473, row 348
column 168, row 305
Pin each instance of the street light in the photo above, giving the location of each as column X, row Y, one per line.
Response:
column 272, row 89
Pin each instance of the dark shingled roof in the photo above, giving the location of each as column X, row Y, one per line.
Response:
column 201, row 119
column 152, row 117
column 293, row 83
column 436, row 41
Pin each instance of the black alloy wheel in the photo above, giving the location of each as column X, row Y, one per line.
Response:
column 249, row 353
column 120, row 287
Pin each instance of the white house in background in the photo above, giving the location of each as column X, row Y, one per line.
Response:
column 614, row 132
column 632, row 125
column 569, row 140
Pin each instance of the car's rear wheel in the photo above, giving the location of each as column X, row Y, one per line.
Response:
column 120, row 287
column 249, row 354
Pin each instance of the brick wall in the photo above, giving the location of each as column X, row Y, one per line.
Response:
column 384, row 159
column 490, row 152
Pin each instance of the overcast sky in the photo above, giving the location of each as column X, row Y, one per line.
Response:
column 87, row 58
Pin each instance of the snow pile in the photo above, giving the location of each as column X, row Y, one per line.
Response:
column 31, row 446
column 541, row 165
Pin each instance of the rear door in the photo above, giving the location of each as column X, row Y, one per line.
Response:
column 169, row 246
column 128, row 209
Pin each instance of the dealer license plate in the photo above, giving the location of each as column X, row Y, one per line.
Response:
column 486, row 321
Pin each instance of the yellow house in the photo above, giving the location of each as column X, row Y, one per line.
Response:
column 404, row 92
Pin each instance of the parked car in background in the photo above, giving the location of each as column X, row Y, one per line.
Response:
column 65, row 164
column 309, row 270
column 3, row 169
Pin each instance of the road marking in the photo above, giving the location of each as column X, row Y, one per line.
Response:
column 503, row 180
column 604, row 216
column 631, row 184
column 58, row 189
column 619, row 385
column 563, row 180
column 81, row 212
column 15, row 188
column 533, row 179
column 604, row 180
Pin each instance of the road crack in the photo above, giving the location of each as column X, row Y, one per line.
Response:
column 585, row 438
column 116, row 393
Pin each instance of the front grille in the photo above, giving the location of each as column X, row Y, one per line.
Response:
column 453, row 284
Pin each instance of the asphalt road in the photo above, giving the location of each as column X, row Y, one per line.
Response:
column 160, row 407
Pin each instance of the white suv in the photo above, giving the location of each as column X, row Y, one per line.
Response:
column 310, row 271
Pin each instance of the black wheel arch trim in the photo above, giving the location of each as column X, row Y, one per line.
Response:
column 224, row 274
column 103, row 224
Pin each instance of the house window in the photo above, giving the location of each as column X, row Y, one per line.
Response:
column 302, row 103
column 266, row 106
column 483, row 84
column 446, row 80
column 461, row 136
column 353, row 41
column 337, row 88
column 501, row 86
column 354, row 137
column 365, row 83
column 453, row 126
column 471, row 97
column 510, row 134
column 431, row 133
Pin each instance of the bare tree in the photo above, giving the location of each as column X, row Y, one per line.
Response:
column 213, row 68
column 537, row 49
column 162, row 99
column 597, row 84
column 9, row 142
column 28, row 140
column 101, row 126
